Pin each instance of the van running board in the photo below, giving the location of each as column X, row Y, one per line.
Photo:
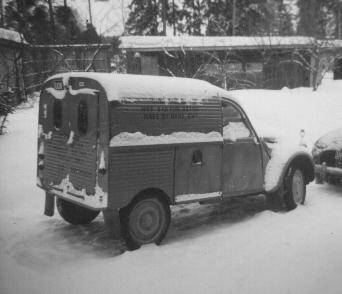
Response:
column 189, row 198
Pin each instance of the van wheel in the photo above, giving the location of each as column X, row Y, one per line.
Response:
column 75, row 214
column 295, row 188
column 145, row 220
column 275, row 200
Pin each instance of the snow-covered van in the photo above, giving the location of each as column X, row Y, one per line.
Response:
column 132, row 145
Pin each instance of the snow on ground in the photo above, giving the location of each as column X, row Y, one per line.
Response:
column 229, row 248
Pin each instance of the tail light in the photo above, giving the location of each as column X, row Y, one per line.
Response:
column 41, row 164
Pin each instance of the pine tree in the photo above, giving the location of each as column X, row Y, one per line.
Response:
column 254, row 17
column 220, row 18
column 17, row 14
column 315, row 17
column 144, row 17
column 89, row 36
column 32, row 19
column 193, row 17
column 68, row 30
column 284, row 25
column 38, row 23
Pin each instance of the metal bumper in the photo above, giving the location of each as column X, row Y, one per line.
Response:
column 323, row 169
column 323, row 172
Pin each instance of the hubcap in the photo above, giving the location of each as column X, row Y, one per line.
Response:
column 298, row 187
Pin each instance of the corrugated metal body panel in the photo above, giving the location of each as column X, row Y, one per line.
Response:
column 198, row 176
column 242, row 169
column 78, row 161
column 55, row 169
column 134, row 170
column 82, row 164
column 153, row 117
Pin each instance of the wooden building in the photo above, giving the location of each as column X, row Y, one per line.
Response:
column 230, row 62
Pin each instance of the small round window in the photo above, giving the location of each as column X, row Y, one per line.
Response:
column 57, row 114
column 82, row 121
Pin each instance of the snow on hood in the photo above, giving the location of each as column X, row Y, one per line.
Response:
column 127, row 86
column 331, row 140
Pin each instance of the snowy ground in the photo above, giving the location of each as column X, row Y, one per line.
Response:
column 243, row 248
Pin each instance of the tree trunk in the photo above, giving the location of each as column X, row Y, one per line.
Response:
column 1, row 15
column 164, row 16
column 52, row 21
column 90, row 16
column 234, row 18
column 338, row 34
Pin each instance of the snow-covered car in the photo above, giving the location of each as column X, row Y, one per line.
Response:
column 327, row 154
column 131, row 146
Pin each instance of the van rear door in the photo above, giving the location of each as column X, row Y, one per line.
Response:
column 82, row 140
column 69, row 122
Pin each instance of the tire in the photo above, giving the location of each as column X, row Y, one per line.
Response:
column 145, row 220
column 275, row 201
column 319, row 179
column 75, row 214
column 295, row 188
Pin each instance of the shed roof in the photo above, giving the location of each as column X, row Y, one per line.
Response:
column 200, row 43
column 121, row 87
column 11, row 36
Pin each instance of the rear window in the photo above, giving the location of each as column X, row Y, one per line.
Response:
column 57, row 114
column 82, row 121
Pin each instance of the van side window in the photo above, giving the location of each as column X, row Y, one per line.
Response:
column 197, row 157
column 57, row 114
column 82, row 119
column 230, row 113
column 234, row 125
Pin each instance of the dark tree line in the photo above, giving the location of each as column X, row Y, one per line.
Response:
column 318, row 18
column 209, row 17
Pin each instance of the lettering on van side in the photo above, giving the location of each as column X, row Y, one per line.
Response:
column 157, row 112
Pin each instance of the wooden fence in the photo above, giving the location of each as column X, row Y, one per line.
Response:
column 41, row 61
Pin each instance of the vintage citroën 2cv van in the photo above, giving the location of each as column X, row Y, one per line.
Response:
column 137, row 144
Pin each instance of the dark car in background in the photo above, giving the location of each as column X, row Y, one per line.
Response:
column 327, row 154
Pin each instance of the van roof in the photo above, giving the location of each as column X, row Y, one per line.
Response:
column 129, row 86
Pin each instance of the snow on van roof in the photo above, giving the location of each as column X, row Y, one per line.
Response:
column 120, row 87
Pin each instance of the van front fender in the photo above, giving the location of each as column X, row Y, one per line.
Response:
column 276, row 171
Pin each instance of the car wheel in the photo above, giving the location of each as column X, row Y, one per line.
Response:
column 295, row 188
column 145, row 220
column 75, row 214
column 319, row 179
